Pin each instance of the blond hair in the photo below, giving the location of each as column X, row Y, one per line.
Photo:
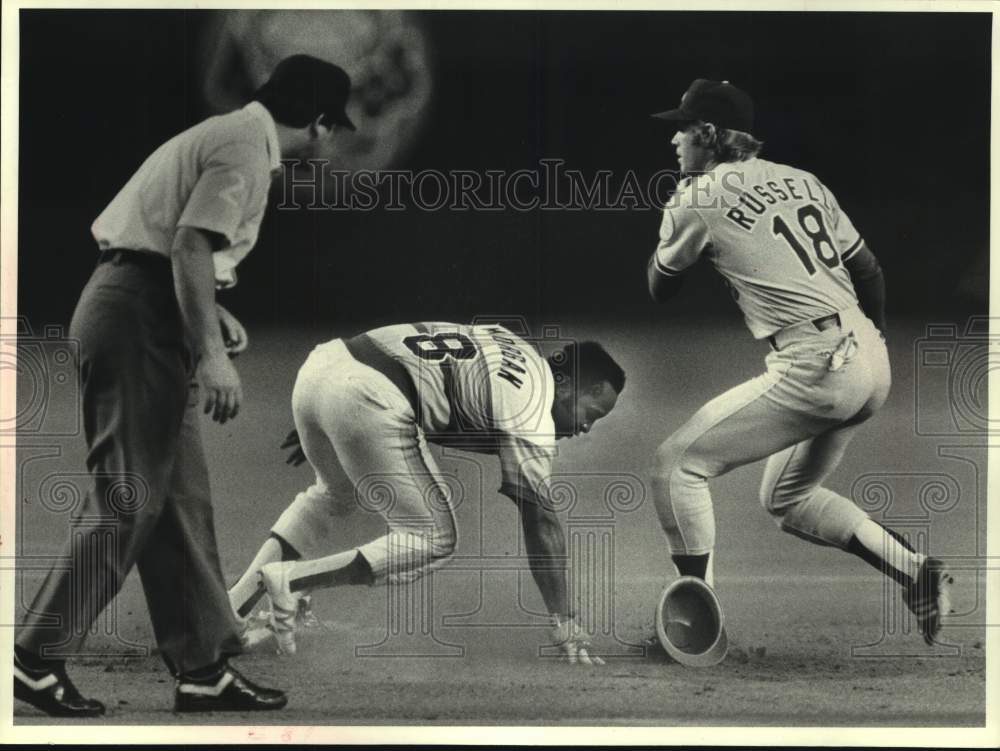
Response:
column 729, row 145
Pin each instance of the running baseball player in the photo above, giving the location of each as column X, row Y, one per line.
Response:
column 365, row 408
column 807, row 284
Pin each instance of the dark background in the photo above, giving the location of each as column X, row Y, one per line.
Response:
column 891, row 111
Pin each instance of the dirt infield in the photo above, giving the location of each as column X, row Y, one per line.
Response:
column 816, row 638
column 793, row 672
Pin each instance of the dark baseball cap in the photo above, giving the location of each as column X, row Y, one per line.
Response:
column 716, row 102
column 309, row 86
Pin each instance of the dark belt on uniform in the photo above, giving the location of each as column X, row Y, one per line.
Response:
column 821, row 324
column 366, row 352
column 144, row 258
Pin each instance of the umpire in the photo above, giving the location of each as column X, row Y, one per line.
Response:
column 150, row 336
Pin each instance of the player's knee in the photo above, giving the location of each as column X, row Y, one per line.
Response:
column 443, row 544
column 668, row 457
column 778, row 498
column 442, row 539
column 676, row 491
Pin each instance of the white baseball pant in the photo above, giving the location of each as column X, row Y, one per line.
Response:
column 352, row 420
column 818, row 388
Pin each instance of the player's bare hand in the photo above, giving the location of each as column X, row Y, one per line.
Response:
column 571, row 640
column 233, row 334
column 221, row 383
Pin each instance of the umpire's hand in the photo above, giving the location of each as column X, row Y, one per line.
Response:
column 223, row 392
column 233, row 334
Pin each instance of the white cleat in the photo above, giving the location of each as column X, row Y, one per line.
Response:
column 284, row 605
column 255, row 631
column 254, row 639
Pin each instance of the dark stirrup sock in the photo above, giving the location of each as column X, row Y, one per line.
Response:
column 356, row 572
column 288, row 552
column 898, row 537
column 251, row 602
column 691, row 565
column 875, row 561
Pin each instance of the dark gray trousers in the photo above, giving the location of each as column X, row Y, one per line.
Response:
column 150, row 502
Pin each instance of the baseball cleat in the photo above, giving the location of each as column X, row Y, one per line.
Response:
column 252, row 637
column 929, row 597
column 305, row 619
column 284, row 604
column 230, row 692
column 52, row 692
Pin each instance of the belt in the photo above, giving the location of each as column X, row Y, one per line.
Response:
column 138, row 257
column 789, row 334
column 366, row 352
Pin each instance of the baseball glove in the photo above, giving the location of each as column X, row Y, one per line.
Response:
column 297, row 455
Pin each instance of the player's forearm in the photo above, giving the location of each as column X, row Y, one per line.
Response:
column 194, row 284
column 869, row 285
column 662, row 287
column 871, row 297
column 546, row 548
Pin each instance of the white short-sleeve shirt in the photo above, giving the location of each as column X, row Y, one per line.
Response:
column 214, row 176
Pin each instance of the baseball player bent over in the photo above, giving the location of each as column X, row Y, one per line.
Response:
column 365, row 407
column 150, row 333
column 807, row 283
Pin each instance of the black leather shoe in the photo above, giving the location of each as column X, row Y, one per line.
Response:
column 52, row 692
column 230, row 693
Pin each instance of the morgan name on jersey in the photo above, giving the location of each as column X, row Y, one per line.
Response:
column 474, row 382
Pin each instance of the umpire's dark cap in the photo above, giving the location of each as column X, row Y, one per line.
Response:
column 716, row 102
column 317, row 84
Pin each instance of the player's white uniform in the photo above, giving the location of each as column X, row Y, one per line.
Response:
column 369, row 404
column 779, row 238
